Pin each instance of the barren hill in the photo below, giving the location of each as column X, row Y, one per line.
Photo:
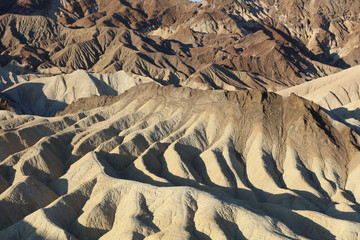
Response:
column 338, row 93
column 212, row 156
column 262, row 44
column 330, row 92
column 45, row 96
column 177, row 163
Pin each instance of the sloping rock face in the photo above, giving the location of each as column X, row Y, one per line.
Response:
column 243, row 44
column 177, row 163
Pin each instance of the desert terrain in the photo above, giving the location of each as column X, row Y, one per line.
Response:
column 164, row 119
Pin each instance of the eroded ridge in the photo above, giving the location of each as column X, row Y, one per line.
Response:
column 178, row 163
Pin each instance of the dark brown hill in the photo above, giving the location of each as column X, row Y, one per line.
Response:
column 281, row 43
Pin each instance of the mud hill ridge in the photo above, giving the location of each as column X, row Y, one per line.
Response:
column 166, row 162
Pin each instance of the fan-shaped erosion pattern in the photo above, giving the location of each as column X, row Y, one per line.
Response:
column 178, row 163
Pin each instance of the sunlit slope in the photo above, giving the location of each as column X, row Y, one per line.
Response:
column 176, row 163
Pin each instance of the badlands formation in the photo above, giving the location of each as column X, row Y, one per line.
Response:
column 264, row 44
column 178, row 163
column 47, row 95
column 339, row 94
column 171, row 119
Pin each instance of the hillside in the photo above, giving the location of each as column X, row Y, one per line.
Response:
column 338, row 94
column 176, row 163
column 178, row 119
column 262, row 44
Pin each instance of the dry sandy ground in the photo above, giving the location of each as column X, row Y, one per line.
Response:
column 177, row 163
